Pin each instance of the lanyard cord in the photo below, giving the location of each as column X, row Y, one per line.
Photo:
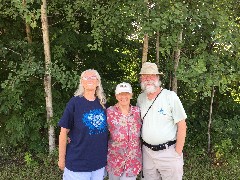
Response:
column 152, row 104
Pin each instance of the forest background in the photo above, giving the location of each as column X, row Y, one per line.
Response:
column 195, row 43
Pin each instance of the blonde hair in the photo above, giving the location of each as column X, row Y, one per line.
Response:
column 99, row 90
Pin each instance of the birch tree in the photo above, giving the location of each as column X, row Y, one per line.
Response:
column 157, row 48
column 210, row 121
column 176, row 61
column 145, row 41
column 47, row 77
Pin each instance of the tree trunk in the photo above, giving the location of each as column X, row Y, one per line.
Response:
column 47, row 77
column 145, row 48
column 28, row 31
column 210, row 121
column 176, row 61
column 28, row 28
column 170, row 82
column 145, row 40
column 157, row 49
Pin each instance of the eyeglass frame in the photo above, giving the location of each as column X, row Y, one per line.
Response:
column 89, row 78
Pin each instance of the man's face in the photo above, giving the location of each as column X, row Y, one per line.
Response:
column 149, row 83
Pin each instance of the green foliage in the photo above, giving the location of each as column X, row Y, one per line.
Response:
column 226, row 137
column 30, row 162
column 107, row 36
column 223, row 149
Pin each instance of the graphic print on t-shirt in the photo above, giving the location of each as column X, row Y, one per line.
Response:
column 161, row 111
column 95, row 120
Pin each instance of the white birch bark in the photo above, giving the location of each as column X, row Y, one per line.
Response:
column 210, row 121
column 47, row 77
column 157, row 49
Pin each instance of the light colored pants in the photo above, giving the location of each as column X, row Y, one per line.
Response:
column 165, row 164
column 122, row 177
column 94, row 175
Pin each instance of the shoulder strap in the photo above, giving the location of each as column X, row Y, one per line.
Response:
column 152, row 104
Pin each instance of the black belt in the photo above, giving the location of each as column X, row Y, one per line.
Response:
column 160, row 146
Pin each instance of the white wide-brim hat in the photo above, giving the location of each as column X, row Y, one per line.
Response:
column 149, row 68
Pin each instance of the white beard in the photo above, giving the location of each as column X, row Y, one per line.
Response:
column 150, row 86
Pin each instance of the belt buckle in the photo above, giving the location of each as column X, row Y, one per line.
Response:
column 166, row 146
column 154, row 148
column 162, row 147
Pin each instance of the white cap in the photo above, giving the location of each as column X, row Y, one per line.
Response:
column 123, row 87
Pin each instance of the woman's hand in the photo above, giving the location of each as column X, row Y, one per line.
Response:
column 61, row 164
column 62, row 147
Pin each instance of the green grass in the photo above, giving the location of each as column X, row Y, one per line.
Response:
column 40, row 172
column 17, row 167
column 201, row 167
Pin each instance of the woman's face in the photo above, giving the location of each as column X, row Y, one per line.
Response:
column 124, row 98
column 89, row 81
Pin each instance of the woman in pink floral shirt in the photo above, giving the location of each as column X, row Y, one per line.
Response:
column 124, row 161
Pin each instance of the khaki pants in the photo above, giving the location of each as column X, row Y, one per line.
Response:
column 165, row 164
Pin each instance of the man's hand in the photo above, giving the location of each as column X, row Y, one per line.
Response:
column 181, row 134
column 179, row 152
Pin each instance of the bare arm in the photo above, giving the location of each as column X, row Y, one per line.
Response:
column 181, row 134
column 62, row 147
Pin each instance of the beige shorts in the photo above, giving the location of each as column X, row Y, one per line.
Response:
column 165, row 164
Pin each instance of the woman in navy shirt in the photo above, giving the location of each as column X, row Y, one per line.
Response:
column 84, row 122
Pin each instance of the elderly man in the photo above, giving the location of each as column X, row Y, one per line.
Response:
column 163, row 129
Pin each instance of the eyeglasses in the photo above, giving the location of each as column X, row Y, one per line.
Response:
column 89, row 78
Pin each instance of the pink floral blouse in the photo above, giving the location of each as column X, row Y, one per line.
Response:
column 124, row 149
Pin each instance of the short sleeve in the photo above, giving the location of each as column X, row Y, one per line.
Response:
column 67, row 119
column 178, row 111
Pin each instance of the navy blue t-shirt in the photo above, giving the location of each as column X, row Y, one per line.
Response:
column 87, row 150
